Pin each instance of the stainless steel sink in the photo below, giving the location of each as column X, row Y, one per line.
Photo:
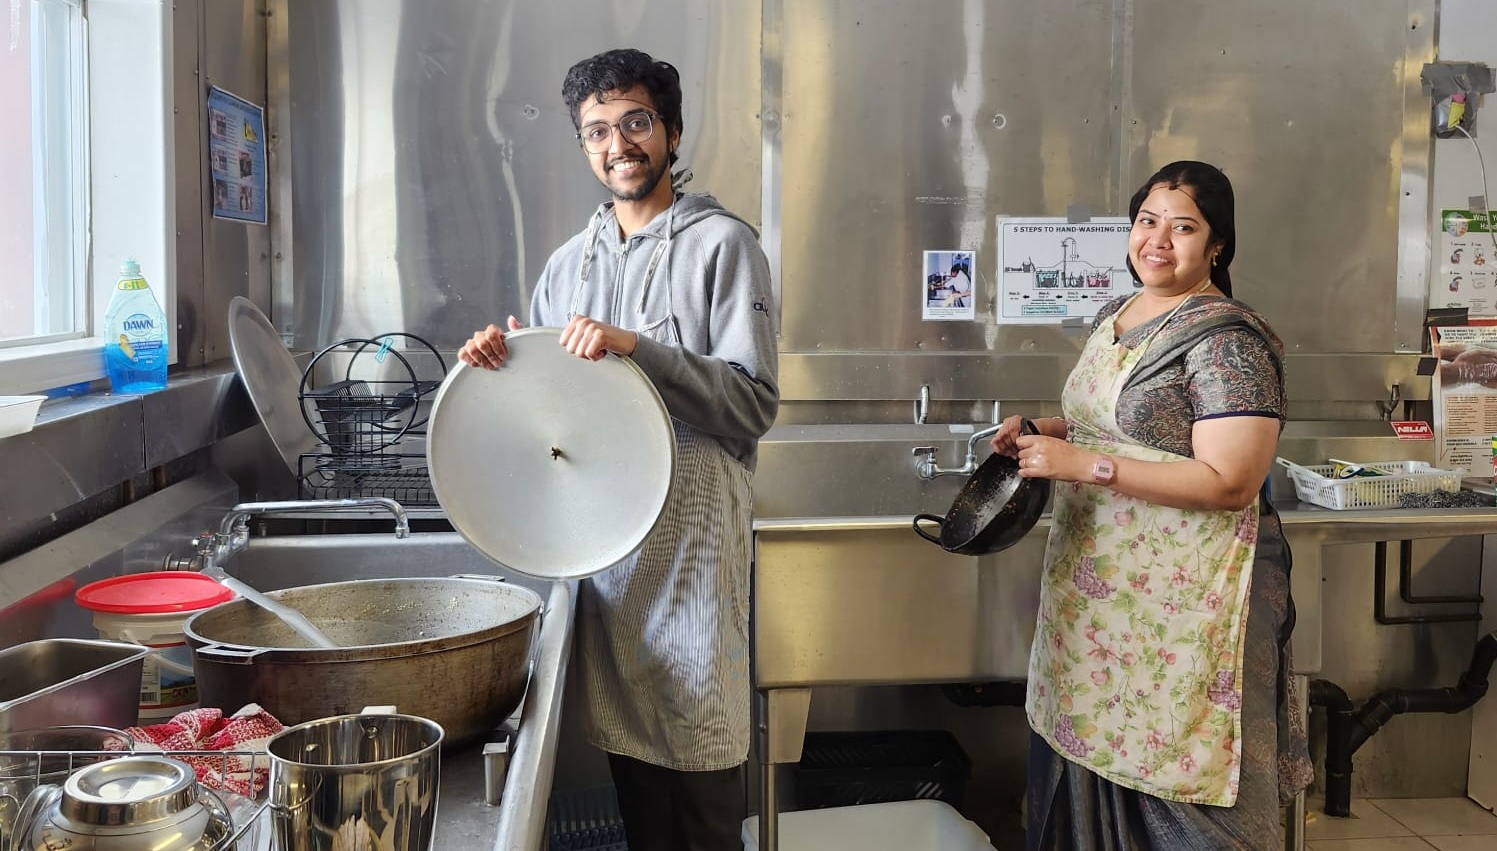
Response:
column 864, row 601
column 464, row 820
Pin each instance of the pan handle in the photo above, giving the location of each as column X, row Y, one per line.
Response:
column 934, row 518
column 1027, row 426
column 229, row 655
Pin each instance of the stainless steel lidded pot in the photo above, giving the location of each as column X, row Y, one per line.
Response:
column 134, row 803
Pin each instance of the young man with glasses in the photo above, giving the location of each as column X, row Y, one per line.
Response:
column 680, row 285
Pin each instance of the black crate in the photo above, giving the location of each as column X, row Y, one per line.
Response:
column 585, row 820
column 845, row 769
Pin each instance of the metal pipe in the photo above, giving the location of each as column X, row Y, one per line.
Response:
column 769, row 803
column 1406, row 582
column 1380, row 594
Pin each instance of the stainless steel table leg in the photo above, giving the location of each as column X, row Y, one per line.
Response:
column 782, row 734
column 769, row 811
column 769, row 804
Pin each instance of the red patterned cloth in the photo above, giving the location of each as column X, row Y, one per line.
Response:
column 243, row 769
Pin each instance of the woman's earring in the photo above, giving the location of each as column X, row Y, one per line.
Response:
column 1214, row 258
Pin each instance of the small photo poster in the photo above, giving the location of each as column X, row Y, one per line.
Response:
column 236, row 158
column 947, row 293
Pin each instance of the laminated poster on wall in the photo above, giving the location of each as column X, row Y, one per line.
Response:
column 236, row 157
column 1466, row 256
column 947, row 291
column 1052, row 269
column 1465, row 394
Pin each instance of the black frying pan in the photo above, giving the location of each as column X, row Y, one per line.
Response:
column 994, row 510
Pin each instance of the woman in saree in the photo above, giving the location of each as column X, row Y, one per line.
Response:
column 1158, row 693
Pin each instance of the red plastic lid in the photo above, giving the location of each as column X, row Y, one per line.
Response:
column 154, row 592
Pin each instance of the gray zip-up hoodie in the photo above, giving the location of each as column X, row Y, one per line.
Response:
column 694, row 284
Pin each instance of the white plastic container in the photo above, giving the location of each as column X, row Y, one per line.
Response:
column 895, row 826
column 18, row 413
column 150, row 609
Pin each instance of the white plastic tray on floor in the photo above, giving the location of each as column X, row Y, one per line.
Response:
column 895, row 826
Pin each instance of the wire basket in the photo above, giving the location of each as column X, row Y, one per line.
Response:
column 1314, row 484
column 25, row 770
column 369, row 430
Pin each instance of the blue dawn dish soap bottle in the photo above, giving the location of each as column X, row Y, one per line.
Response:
column 134, row 335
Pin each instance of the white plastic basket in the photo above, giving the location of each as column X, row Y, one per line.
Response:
column 1314, row 483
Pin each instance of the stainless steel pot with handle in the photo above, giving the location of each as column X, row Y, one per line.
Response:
column 456, row 651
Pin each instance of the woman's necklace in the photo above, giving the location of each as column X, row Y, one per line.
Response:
column 1193, row 292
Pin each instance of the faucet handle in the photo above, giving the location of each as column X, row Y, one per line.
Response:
column 925, row 461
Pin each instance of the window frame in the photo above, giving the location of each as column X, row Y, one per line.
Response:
column 124, row 189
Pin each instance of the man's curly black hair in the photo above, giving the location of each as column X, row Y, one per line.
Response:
column 617, row 70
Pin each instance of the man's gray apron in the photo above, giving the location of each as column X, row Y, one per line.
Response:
column 663, row 636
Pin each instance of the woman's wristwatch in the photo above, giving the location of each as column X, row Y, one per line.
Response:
column 1104, row 471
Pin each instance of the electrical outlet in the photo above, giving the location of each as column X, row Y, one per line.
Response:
column 1455, row 90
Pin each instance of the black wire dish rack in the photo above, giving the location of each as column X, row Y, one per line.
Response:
column 371, row 430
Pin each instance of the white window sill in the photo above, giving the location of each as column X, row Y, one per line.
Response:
column 33, row 369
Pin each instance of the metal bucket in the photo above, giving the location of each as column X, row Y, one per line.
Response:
column 355, row 783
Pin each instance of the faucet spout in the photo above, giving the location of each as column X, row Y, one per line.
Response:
column 233, row 530
column 927, row 467
column 239, row 515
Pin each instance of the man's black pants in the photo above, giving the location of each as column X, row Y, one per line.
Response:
column 669, row 810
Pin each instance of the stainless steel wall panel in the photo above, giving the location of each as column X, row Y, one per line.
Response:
column 196, row 415
column 1303, row 106
column 910, row 127
column 79, row 448
column 236, row 256
column 187, row 132
column 1415, row 161
column 434, row 168
column 1039, row 376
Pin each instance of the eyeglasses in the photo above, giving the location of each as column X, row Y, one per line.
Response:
column 636, row 128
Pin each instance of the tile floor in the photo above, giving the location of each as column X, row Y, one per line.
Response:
column 1404, row 824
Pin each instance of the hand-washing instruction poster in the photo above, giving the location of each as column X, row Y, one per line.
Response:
column 947, row 292
column 1466, row 256
column 1465, row 395
column 236, row 157
column 1050, row 269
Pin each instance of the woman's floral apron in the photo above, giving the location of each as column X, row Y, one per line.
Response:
column 1137, row 661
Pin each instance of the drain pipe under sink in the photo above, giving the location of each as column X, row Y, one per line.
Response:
column 1348, row 730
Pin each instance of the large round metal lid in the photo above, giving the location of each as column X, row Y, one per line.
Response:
column 554, row 466
column 272, row 380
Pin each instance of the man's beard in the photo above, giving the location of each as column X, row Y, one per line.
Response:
column 652, row 180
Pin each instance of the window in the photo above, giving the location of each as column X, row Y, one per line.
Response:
column 43, row 177
column 87, row 178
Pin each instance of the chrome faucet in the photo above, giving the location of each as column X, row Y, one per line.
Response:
column 233, row 531
column 925, row 457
